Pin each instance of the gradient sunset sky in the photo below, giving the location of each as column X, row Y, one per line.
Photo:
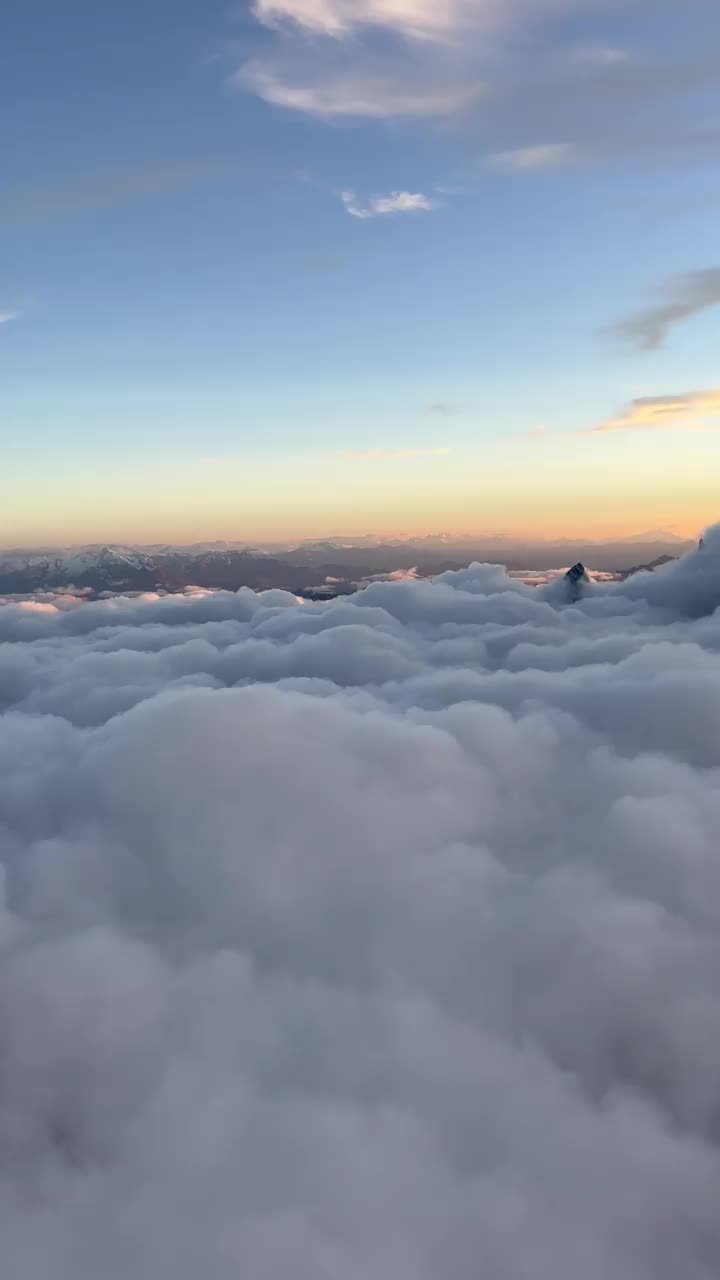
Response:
column 299, row 267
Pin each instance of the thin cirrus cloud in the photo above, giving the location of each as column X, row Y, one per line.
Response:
column 550, row 107
column 544, row 155
column 420, row 86
column 371, row 455
column 413, row 19
column 423, row 20
column 7, row 316
column 395, row 202
column 424, row 60
column 361, row 93
column 434, row 72
column 688, row 409
column 688, row 295
column 618, row 146
column 38, row 205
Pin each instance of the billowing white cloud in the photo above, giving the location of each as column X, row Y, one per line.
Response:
column 378, row 937
column 395, row 202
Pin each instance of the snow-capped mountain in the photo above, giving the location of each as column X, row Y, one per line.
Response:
column 111, row 560
column 100, row 569
column 337, row 565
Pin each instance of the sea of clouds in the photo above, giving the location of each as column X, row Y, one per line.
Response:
column 373, row 939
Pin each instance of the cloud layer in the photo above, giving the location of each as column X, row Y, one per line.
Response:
column 370, row 938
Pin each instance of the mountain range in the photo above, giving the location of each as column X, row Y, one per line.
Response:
column 314, row 568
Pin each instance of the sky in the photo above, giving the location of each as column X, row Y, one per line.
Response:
column 297, row 267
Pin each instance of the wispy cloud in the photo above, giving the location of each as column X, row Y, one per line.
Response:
column 687, row 409
column 395, row 202
column 342, row 74
column 412, row 19
column 618, row 145
column 37, row 205
column 368, row 455
column 7, row 316
column 688, row 295
column 599, row 55
column 360, row 93
column 544, row 155
column 444, row 408
column 441, row 21
column 440, row 58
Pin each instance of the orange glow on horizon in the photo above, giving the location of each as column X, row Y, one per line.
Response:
column 75, row 532
column 561, row 492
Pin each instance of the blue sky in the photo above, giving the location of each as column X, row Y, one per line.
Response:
column 243, row 245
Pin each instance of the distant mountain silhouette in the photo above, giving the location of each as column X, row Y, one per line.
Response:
column 642, row 568
column 316, row 570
